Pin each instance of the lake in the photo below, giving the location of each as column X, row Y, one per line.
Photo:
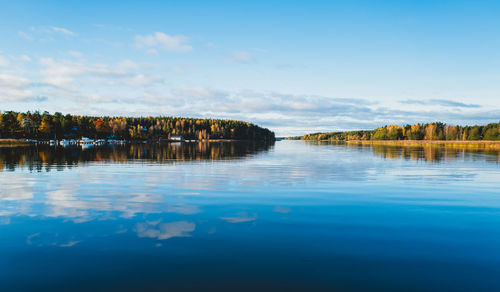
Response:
column 293, row 216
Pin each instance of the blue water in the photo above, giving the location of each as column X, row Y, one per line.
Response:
column 294, row 216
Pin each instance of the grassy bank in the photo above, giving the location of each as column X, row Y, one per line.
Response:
column 13, row 142
column 486, row 145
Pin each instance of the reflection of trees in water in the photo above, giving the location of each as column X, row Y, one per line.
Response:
column 434, row 154
column 430, row 153
column 40, row 157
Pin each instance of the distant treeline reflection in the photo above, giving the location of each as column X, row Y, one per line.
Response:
column 434, row 154
column 429, row 153
column 45, row 157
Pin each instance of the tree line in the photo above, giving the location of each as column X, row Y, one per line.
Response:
column 45, row 126
column 428, row 131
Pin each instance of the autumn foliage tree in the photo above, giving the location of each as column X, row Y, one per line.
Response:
column 44, row 128
column 430, row 131
column 47, row 126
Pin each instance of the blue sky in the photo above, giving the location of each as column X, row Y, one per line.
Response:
column 292, row 66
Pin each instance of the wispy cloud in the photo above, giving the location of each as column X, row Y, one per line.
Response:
column 64, row 73
column 63, row 31
column 75, row 54
column 45, row 33
column 241, row 57
column 75, row 84
column 291, row 114
column 15, row 88
column 25, row 35
column 3, row 61
column 440, row 102
column 162, row 41
column 39, row 98
column 201, row 93
column 73, row 80
column 25, row 58
column 130, row 88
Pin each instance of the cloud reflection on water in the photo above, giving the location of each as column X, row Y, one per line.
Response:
column 240, row 218
column 162, row 231
column 180, row 191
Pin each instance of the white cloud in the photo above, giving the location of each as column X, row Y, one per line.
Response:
column 69, row 75
column 3, row 61
column 144, row 80
column 75, row 81
column 75, row 54
column 241, row 57
column 201, row 93
column 45, row 33
column 290, row 114
column 127, row 87
column 15, row 88
column 60, row 74
column 160, row 40
column 25, row 35
column 439, row 102
column 63, row 31
column 129, row 64
column 25, row 58
column 8, row 80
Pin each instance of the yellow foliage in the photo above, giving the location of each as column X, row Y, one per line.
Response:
column 20, row 118
column 44, row 127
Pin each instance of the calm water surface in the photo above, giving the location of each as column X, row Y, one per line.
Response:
column 240, row 217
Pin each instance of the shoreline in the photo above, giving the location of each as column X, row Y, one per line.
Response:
column 14, row 142
column 487, row 145
column 20, row 142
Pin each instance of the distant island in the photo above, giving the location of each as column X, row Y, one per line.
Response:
column 45, row 126
column 416, row 134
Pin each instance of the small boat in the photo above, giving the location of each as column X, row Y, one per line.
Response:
column 85, row 141
column 64, row 143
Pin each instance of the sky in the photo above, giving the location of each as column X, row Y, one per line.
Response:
column 294, row 67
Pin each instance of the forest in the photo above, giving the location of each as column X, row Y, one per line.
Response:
column 45, row 126
column 428, row 131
